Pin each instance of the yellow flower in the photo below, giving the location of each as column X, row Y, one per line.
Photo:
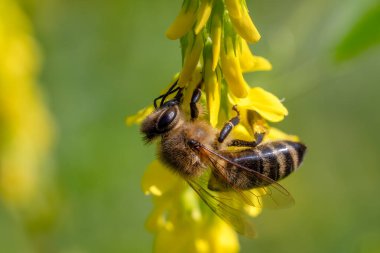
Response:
column 221, row 30
column 212, row 85
column 232, row 71
column 264, row 103
column 203, row 14
column 177, row 217
column 157, row 179
column 276, row 134
column 243, row 23
column 193, row 52
column 249, row 62
column 234, row 8
column 216, row 35
column 184, row 21
column 26, row 129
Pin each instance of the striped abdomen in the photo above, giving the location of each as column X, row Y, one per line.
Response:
column 275, row 160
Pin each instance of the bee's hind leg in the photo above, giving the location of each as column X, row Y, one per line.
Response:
column 237, row 143
column 242, row 143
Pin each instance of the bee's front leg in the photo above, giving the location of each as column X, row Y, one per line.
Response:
column 197, row 93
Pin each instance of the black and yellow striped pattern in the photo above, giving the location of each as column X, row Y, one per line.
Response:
column 275, row 160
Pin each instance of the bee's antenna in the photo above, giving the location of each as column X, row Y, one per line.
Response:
column 179, row 95
column 170, row 91
column 167, row 94
column 155, row 101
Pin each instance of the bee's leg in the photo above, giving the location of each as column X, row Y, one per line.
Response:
column 229, row 125
column 237, row 143
column 194, row 100
column 242, row 143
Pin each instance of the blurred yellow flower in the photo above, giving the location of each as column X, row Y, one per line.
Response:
column 157, row 179
column 177, row 216
column 26, row 128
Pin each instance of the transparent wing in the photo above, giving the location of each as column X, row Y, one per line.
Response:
column 272, row 195
column 236, row 207
column 224, row 206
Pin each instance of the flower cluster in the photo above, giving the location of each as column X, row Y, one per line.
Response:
column 214, row 37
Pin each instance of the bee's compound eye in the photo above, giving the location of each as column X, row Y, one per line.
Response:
column 166, row 118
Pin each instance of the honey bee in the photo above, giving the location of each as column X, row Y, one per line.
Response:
column 224, row 178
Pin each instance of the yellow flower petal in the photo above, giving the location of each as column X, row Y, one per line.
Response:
column 184, row 21
column 157, row 179
column 234, row 8
column 245, row 27
column 139, row 116
column 276, row 134
column 178, row 240
column 190, row 204
column 252, row 211
column 260, row 63
column 252, row 123
column 216, row 35
column 212, row 86
column 232, row 71
column 202, row 245
column 192, row 55
column 241, row 133
column 264, row 103
column 249, row 62
column 156, row 219
column 213, row 98
column 203, row 15
column 223, row 238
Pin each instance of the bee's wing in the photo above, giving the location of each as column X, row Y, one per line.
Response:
column 221, row 204
column 235, row 206
column 272, row 195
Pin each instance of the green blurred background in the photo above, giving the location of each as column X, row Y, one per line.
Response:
column 104, row 60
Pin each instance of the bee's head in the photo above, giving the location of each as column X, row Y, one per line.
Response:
column 162, row 120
